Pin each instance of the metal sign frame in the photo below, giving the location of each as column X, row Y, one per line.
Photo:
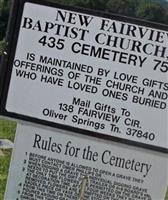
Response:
column 8, row 57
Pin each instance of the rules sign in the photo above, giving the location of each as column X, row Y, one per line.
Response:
column 54, row 165
column 94, row 73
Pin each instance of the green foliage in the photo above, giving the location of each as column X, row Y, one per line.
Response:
column 123, row 7
column 2, row 46
column 152, row 11
column 91, row 4
column 4, row 13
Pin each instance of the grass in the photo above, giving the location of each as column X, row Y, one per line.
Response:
column 166, row 198
column 4, row 166
column 7, row 131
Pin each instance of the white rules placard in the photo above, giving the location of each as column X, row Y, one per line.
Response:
column 98, row 74
column 56, row 165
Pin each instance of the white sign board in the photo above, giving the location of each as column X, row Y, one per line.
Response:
column 101, row 74
column 54, row 165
